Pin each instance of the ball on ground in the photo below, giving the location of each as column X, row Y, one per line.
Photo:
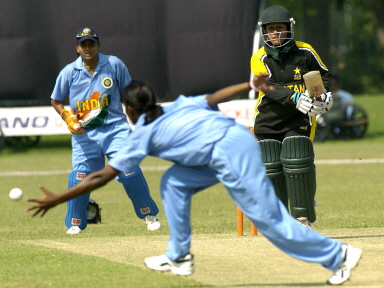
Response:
column 16, row 194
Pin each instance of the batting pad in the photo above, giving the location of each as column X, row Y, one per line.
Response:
column 137, row 190
column 297, row 156
column 77, row 208
column 270, row 150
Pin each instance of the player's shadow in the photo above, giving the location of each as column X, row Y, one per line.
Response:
column 355, row 236
column 22, row 144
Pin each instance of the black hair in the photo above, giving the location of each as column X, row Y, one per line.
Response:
column 140, row 96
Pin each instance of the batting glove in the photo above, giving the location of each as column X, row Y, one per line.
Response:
column 328, row 100
column 72, row 122
column 307, row 105
column 326, row 97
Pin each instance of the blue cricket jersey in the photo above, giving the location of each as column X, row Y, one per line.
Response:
column 184, row 134
column 91, row 93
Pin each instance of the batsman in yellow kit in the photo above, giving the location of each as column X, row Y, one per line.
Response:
column 285, row 118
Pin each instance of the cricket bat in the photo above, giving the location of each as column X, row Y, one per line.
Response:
column 314, row 84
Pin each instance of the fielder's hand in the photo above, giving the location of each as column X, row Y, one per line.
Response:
column 259, row 82
column 44, row 204
column 72, row 122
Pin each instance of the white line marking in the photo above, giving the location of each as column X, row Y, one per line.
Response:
column 61, row 172
column 349, row 161
column 163, row 168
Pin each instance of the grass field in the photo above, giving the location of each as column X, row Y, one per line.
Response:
column 36, row 252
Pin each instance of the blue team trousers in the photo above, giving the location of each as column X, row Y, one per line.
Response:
column 237, row 163
column 89, row 151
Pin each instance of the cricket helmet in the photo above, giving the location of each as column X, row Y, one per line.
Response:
column 276, row 14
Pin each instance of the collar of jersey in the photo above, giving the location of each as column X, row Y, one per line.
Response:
column 103, row 59
column 280, row 52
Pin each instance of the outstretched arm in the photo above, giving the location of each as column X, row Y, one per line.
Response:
column 90, row 183
column 259, row 82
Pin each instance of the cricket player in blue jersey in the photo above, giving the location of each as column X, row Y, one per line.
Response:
column 99, row 126
column 207, row 147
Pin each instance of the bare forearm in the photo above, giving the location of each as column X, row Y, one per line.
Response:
column 259, row 82
column 57, row 105
column 227, row 94
column 90, row 183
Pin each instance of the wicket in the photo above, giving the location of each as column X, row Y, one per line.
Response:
column 240, row 224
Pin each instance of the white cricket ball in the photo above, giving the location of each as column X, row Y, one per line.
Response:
column 16, row 194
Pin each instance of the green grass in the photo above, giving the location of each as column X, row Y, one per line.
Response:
column 26, row 266
column 349, row 196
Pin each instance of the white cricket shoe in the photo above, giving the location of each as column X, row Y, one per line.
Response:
column 74, row 230
column 152, row 222
column 351, row 257
column 304, row 221
column 183, row 266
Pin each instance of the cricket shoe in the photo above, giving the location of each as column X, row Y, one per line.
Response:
column 304, row 221
column 351, row 257
column 74, row 230
column 183, row 266
column 152, row 222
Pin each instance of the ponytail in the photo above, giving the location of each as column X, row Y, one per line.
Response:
column 152, row 113
column 140, row 96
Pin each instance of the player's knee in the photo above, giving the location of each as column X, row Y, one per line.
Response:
column 297, row 156
column 297, row 152
column 270, row 151
column 271, row 154
column 76, row 176
column 123, row 176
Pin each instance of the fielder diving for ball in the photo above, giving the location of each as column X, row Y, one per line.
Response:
column 205, row 148
column 99, row 126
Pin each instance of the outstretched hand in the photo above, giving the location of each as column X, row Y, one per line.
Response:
column 44, row 204
column 259, row 82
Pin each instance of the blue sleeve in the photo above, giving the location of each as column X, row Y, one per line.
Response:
column 133, row 152
column 122, row 74
column 61, row 89
column 201, row 101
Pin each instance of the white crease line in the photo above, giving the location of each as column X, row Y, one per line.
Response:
column 349, row 161
column 61, row 172
column 163, row 168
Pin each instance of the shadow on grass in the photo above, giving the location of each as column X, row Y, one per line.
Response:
column 357, row 236
column 27, row 143
column 377, row 134
column 250, row 285
column 368, row 136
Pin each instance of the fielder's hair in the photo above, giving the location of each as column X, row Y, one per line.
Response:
column 140, row 96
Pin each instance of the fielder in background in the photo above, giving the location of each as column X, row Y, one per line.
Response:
column 336, row 88
column 206, row 150
column 341, row 96
column 285, row 118
column 99, row 126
